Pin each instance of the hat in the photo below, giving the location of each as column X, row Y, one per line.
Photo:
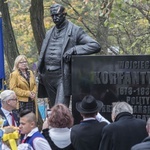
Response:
column 89, row 105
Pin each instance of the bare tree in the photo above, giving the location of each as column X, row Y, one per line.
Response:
column 95, row 26
column 37, row 16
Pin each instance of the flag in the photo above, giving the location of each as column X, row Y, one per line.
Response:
column 2, row 70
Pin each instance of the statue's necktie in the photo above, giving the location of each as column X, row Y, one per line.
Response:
column 12, row 119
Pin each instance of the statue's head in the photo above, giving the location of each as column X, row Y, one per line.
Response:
column 58, row 14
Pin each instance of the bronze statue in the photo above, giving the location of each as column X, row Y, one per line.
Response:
column 61, row 42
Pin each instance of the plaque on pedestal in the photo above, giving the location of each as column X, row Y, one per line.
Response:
column 111, row 79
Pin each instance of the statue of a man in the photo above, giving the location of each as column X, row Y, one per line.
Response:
column 54, row 66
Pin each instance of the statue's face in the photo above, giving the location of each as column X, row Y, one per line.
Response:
column 57, row 15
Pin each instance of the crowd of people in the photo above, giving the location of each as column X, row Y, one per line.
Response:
column 94, row 132
column 125, row 132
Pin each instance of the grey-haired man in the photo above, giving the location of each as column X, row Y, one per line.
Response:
column 125, row 131
column 9, row 104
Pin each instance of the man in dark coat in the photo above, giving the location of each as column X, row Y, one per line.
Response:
column 54, row 66
column 125, row 131
column 7, row 111
column 88, row 134
column 145, row 144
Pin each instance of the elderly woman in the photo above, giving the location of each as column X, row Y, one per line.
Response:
column 56, row 129
column 22, row 81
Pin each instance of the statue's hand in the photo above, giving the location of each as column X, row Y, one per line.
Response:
column 68, row 54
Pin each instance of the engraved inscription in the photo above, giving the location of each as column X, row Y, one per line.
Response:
column 125, row 78
column 114, row 78
column 134, row 64
column 132, row 79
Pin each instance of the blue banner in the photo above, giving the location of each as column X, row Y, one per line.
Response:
column 2, row 70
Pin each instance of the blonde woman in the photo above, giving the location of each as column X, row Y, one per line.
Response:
column 22, row 81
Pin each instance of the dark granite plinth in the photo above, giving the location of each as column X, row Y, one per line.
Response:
column 111, row 79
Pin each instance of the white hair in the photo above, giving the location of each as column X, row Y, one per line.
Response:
column 6, row 95
column 120, row 107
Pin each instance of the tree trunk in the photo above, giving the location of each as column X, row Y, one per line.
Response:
column 10, row 46
column 37, row 16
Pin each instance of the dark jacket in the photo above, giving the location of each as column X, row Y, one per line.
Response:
column 87, row 135
column 76, row 38
column 16, row 117
column 122, row 134
column 145, row 145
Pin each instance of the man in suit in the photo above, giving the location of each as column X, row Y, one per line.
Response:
column 125, row 131
column 54, row 66
column 145, row 144
column 7, row 111
column 87, row 135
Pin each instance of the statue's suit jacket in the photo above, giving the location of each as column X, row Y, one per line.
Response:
column 16, row 117
column 75, row 38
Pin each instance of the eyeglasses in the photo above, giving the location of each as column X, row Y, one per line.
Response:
column 15, row 99
column 22, row 62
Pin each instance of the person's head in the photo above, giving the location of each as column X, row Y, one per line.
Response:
column 120, row 107
column 27, row 121
column 89, row 106
column 21, row 62
column 60, row 117
column 148, row 126
column 8, row 100
column 58, row 14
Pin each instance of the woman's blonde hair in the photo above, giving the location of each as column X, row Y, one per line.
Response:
column 18, row 59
